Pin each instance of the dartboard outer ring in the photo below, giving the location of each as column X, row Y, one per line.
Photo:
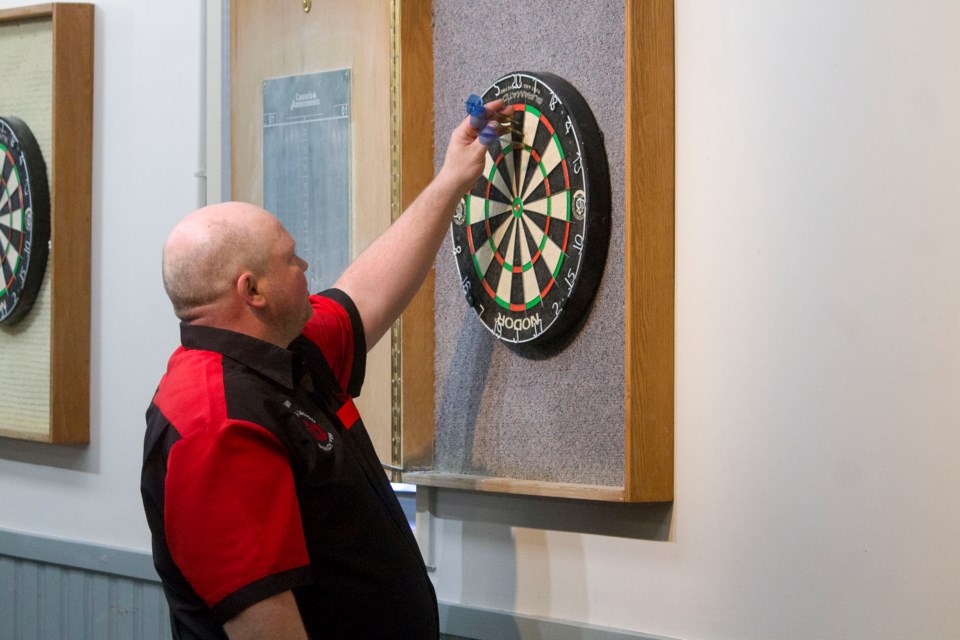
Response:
column 24, row 220
column 565, row 294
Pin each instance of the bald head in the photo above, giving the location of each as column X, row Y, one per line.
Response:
column 208, row 250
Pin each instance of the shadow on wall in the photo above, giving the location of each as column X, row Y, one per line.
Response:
column 455, row 446
column 74, row 457
column 483, row 574
column 457, row 406
column 509, row 570
column 635, row 521
column 507, row 534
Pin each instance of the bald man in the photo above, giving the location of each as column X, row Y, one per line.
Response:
column 270, row 512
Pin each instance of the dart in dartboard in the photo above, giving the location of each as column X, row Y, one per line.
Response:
column 530, row 238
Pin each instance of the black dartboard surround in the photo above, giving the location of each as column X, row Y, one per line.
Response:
column 24, row 219
column 530, row 239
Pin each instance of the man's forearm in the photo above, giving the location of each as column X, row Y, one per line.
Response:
column 276, row 618
column 385, row 277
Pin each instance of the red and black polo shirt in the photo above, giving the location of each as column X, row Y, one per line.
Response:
column 259, row 477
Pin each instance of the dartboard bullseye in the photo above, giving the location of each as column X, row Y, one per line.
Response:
column 24, row 219
column 530, row 238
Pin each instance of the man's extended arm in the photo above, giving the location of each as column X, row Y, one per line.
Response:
column 384, row 278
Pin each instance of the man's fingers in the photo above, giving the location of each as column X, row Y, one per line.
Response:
column 468, row 129
column 481, row 116
column 489, row 134
column 494, row 105
column 485, row 124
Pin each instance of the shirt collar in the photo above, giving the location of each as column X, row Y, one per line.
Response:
column 264, row 358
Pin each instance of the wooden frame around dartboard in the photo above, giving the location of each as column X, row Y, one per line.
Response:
column 648, row 296
column 59, row 334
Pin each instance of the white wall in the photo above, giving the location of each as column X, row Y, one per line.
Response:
column 818, row 333
column 145, row 152
column 818, row 347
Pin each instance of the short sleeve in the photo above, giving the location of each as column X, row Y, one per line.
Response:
column 337, row 331
column 232, row 517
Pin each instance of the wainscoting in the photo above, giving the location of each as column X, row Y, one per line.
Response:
column 54, row 589
column 57, row 589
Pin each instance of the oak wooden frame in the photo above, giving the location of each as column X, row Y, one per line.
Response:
column 70, row 174
column 648, row 265
column 649, row 251
column 414, row 334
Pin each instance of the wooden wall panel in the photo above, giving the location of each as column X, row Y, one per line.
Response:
column 270, row 40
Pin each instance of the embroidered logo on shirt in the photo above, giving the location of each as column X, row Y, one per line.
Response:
column 323, row 438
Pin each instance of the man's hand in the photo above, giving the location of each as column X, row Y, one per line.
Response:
column 465, row 156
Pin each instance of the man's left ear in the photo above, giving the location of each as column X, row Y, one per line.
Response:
column 247, row 290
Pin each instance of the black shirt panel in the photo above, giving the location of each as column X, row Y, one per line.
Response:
column 355, row 571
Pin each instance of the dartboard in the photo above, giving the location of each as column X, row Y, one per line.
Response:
column 24, row 219
column 530, row 239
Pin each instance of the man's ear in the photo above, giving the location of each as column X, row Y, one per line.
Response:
column 247, row 289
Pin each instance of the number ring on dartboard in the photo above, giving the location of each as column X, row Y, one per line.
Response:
column 530, row 239
column 24, row 219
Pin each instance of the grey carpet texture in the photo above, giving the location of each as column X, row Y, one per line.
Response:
column 501, row 413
